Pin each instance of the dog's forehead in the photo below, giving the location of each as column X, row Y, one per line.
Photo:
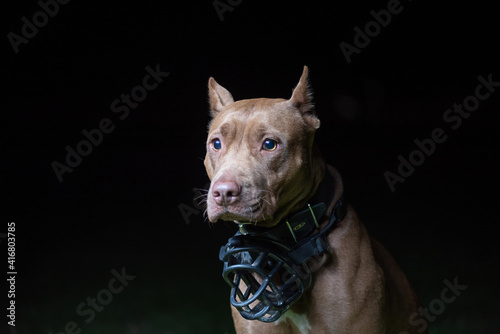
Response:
column 254, row 113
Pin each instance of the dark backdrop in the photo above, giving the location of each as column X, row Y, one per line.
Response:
column 127, row 206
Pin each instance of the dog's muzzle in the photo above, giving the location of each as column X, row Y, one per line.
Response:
column 265, row 281
column 267, row 269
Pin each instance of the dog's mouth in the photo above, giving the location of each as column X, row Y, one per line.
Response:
column 254, row 212
column 251, row 214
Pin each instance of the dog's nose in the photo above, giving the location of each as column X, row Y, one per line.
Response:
column 225, row 192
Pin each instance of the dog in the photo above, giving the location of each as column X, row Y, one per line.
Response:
column 264, row 167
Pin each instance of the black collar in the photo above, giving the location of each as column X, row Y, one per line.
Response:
column 296, row 231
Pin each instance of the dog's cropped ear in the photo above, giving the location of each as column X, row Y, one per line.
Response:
column 218, row 97
column 302, row 99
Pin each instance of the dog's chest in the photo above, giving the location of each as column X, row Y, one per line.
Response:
column 299, row 321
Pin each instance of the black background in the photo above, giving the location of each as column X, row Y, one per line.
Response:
column 120, row 206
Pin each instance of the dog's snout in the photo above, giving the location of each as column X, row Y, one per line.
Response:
column 225, row 192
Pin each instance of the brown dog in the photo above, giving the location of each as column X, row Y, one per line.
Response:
column 263, row 167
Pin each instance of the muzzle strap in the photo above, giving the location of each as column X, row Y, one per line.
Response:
column 318, row 244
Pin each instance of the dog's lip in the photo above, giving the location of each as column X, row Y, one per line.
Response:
column 251, row 213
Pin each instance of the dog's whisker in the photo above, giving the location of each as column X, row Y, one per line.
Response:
column 267, row 202
column 200, row 199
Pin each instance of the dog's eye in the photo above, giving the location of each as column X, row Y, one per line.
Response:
column 216, row 144
column 269, row 145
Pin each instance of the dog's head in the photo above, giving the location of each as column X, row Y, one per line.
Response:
column 260, row 156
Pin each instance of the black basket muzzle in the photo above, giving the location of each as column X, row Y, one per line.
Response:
column 265, row 281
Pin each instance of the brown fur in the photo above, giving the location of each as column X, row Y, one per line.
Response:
column 357, row 286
